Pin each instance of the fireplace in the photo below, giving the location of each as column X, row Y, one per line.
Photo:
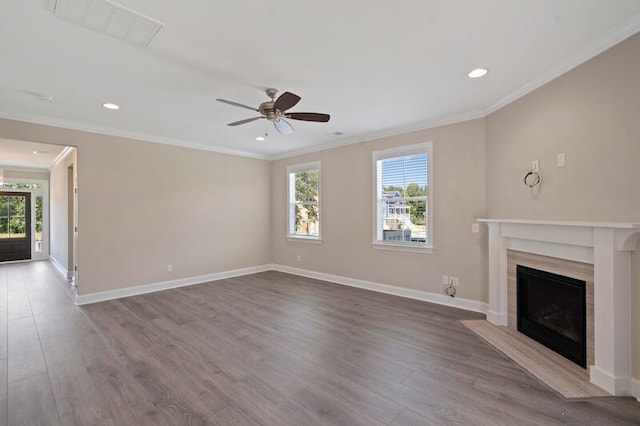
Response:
column 551, row 309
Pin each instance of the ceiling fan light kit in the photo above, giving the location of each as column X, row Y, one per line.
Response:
column 275, row 111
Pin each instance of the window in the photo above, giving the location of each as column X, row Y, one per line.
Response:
column 304, row 201
column 403, row 202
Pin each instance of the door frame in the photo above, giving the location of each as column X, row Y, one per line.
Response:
column 44, row 192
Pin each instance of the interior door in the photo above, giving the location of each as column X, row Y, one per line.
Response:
column 15, row 226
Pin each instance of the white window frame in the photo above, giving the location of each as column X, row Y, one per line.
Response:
column 44, row 193
column 402, row 151
column 291, row 211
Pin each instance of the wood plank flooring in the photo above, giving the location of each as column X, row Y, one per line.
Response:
column 265, row 349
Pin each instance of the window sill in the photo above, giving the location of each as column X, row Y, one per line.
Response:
column 402, row 247
column 303, row 239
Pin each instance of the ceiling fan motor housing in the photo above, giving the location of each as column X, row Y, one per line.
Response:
column 268, row 110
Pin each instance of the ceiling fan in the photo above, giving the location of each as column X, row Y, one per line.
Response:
column 275, row 110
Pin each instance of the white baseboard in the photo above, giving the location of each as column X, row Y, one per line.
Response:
column 441, row 299
column 85, row 299
column 58, row 266
column 635, row 388
column 617, row 386
column 466, row 304
column 496, row 319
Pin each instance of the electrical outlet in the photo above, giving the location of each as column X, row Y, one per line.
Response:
column 445, row 280
column 475, row 228
column 299, row 258
column 454, row 281
column 560, row 160
column 169, row 267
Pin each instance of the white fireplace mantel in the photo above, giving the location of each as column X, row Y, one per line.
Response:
column 606, row 245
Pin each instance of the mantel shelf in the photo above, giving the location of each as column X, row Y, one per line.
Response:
column 617, row 225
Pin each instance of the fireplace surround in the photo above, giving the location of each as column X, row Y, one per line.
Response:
column 605, row 245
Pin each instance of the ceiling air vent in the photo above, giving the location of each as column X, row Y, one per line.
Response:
column 110, row 18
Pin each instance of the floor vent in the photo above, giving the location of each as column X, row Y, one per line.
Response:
column 110, row 18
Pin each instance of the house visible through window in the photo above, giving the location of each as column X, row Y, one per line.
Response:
column 402, row 191
column 304, row 200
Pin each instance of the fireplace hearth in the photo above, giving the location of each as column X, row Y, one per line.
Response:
column 551, row 309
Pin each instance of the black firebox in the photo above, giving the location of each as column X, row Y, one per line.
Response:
column 552, row 309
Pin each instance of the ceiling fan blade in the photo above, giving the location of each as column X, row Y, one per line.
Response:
column 224, row 101
column 286, row 101
column 283, row 127
column 308, row 116
column 246, row 120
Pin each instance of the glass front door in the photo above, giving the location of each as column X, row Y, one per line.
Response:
column 15, row 226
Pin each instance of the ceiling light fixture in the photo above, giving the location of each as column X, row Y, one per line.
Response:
column 46, row 98
column 478, row 72
column 260, row 138
column 110, row 106
column 40, row 153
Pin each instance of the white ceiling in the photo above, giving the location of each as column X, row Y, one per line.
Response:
column 27, row 154
column 377, row 67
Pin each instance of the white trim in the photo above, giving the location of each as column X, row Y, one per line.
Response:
column 635, row 388
column 85, row 299
column 367, row 137
column 570, row 223
column 92, row 128
column 620, row 33
column 63, row 154
column 440, row 299
column 58, row 266
column 409, row 247
column 304, row 239
column 617, row 386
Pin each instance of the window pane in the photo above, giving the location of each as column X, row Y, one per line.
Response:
column 306, row 221
column 307, row 186
column 4, row 227
column 12, row 216
column 304, row 197
column 38, row 245
column 402, row 207
column 406, row 175
column 17, row 227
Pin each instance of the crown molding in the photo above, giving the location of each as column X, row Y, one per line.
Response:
column 83, row 127
column 63, row 154
column 620, row 33
column 415, row 127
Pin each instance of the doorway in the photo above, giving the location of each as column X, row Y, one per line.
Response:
column 15, row 226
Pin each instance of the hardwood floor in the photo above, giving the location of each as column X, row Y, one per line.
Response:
column 266, row 349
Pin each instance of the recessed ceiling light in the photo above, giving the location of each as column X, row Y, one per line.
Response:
column 478, row 72
column 110, row 106
column 40, row 153
column 46, row 98
column 260, row 138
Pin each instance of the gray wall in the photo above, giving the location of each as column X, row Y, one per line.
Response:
column 143, row 205
column 347, row 214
